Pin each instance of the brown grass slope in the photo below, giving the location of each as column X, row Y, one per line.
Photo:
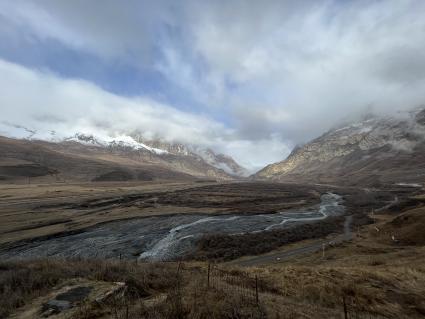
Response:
column 377, row 276
column 408, row 228
column 43, row 161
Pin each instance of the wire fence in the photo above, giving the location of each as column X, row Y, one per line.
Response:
column 249, row 288
column 240, row 284
column 352, row 309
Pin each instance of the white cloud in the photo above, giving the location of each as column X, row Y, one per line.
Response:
column 282, row 71
column 42, row 101
column 251, row 154
column 321, row 63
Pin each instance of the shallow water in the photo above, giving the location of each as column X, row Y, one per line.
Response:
column 167, row 237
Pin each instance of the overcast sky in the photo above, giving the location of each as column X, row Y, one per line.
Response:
column 248, row 78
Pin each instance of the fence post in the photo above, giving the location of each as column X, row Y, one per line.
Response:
column 178, row 277
column 256, row 289
column 345, row 307
column 208, row 276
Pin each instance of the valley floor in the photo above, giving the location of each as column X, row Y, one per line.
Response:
column 28, row 211
column 376, row 270
column 370, row 276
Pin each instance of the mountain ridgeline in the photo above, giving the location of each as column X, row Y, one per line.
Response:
column 126, row 158
column 375, row 151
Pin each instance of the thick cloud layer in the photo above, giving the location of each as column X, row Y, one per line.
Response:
column 259, row 77
column 69, row 106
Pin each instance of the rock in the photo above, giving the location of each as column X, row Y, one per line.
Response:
column 117, row 289
column 54, row 306
column 65, row 300
column 75, row 294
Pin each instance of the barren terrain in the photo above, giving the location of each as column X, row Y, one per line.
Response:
column 371, row 276
column 28, row 211
column 376, row 274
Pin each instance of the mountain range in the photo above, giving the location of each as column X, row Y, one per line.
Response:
column 27, row 153
column 374, row 151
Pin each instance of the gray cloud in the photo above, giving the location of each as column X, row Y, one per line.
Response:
column 403, row 65
column 106, row 28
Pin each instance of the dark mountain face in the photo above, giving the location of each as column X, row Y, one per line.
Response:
column 373, row 151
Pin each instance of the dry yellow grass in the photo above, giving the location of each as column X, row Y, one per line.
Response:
column 162, row 290
column 28, row 211
column 20, row 217
column 377, row 277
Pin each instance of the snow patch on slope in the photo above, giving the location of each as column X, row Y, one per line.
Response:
column 21, row 132
column 131, row 141
column 107, row 141
column 221, row 161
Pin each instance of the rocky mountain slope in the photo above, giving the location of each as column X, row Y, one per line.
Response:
column 377, row 150
column 218, row 160
column 38, row 161
column 188, row 159
column 87, row 158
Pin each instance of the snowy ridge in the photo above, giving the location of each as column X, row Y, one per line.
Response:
column 121, row 141
column 134, row 141
column 221, row 161
column 22, row 132
column 217, row 160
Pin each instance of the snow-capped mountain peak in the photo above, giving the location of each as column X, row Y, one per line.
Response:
column 132, row 142
column 120, row 141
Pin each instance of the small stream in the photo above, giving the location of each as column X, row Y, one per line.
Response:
column 166, row 237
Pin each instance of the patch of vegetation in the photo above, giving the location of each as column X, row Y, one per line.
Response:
column 227, row 247
column 114, row 176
